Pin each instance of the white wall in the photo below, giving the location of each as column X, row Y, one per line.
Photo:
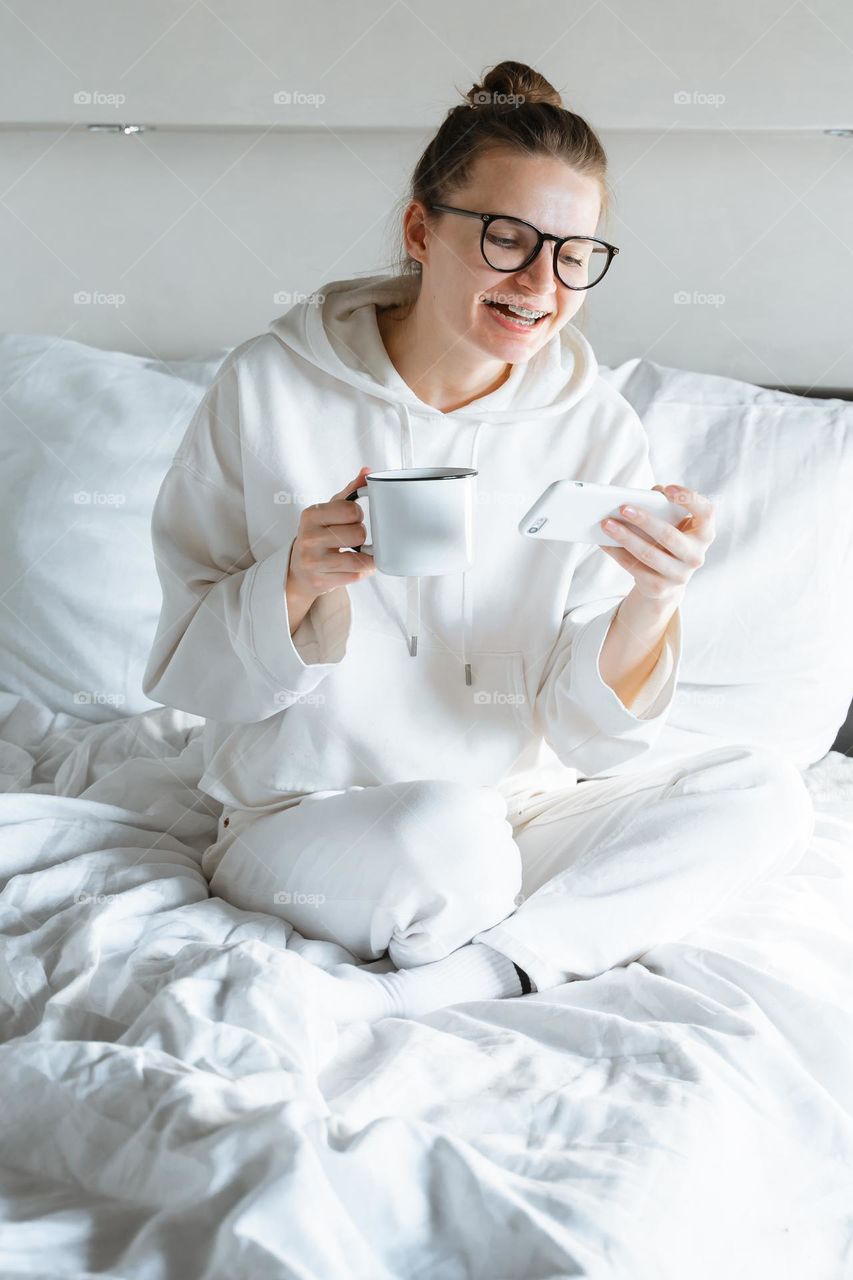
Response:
column 199, row 228
column 378, row 63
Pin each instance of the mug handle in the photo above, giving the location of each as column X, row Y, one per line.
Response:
column 351, row 497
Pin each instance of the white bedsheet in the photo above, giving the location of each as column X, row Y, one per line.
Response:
column 173, row 1107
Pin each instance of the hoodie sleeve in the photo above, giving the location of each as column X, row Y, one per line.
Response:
column 223, row 647
column 579, row 715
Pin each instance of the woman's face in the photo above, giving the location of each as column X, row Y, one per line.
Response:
column 457, row 282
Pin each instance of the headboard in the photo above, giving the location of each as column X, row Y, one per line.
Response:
column 177, row 242
column 844, row 741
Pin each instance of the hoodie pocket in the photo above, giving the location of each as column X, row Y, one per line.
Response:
column 383, row 716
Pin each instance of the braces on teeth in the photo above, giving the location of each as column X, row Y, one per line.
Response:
column 523, row 313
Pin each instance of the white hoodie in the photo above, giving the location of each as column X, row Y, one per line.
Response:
column 292, row 415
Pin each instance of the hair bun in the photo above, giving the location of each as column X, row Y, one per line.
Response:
column 511, row 84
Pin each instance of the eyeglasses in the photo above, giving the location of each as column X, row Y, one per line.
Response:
column 510, row 244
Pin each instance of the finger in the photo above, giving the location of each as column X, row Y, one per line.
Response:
column 339, row 536
column 700, row 507
column 348, row 564
column 337, row 512
column 353, row 484
column 343, row 560
column 660, row 489
column 328, row 581
column 648, row 554
column 676, row 541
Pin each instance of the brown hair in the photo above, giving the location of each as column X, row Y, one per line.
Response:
column 514, row 107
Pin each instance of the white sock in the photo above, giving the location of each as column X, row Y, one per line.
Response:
column 472, row 972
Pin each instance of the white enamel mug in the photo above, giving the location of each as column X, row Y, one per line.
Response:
column 421, row 520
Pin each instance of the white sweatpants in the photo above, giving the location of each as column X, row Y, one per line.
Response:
column 567, row 885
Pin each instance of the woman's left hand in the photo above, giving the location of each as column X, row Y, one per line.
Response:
column 662, row 557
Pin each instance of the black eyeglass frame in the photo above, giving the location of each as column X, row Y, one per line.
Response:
column 541, row 237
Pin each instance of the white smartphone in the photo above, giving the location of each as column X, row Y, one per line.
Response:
column 572, row 511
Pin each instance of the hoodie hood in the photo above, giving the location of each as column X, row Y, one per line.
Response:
column 337, row 331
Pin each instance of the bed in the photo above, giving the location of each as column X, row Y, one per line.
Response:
column 174, row 1105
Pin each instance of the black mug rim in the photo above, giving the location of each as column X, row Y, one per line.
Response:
column 446, row 474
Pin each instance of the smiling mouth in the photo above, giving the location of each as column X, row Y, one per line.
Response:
column 516, row 316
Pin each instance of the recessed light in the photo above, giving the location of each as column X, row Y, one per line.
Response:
column 118, row 128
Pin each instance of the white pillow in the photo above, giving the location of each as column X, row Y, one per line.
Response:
column 767, row 653
column 80, row 594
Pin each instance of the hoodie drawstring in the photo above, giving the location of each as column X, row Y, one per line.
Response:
column 413, row 585
column 467, row 582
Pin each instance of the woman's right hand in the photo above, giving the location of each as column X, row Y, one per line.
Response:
column 317, row 564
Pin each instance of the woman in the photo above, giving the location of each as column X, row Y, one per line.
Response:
column 412, row 790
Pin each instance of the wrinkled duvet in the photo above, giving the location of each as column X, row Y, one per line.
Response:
column 173, row 1106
